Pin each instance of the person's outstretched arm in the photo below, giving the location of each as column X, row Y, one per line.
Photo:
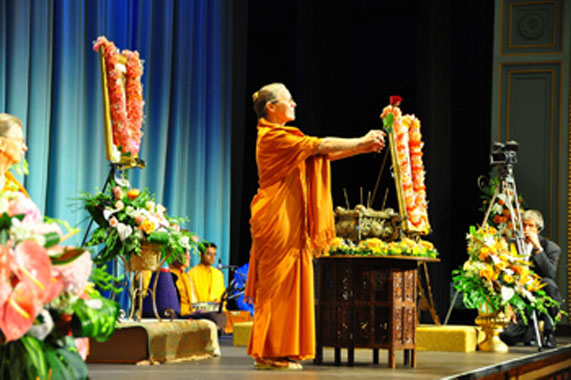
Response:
column 337, row 148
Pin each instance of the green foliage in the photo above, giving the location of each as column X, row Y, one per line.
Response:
column 388, row 122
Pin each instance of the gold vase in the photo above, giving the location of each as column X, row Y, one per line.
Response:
column 492, row 324
column 148, row 259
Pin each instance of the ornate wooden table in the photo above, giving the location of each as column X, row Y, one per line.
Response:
column 367, row 302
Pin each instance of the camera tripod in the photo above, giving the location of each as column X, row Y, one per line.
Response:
column 507, row 187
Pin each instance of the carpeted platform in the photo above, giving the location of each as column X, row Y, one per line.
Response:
column 428, row 337
column 153, row 342
column 450, row 338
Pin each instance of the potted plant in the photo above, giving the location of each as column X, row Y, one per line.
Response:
column 47, row 303
column 131, row 225
column 498, row 282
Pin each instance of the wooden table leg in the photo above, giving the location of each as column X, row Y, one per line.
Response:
column 413, row 361
column 337, row 356
column 350, row 357
column 406, row 353
column 375, row 355
column 392, row 363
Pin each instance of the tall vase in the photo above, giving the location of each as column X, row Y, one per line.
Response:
column 492, row 324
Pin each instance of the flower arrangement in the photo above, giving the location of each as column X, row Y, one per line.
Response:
column 499, row 206
column 378, row 247
column 125, row 98
column 128, row 217
column 496, row 278
column 47, row 306
column 408, row 154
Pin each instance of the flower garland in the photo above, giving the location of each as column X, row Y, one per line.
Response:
column 378, row 247
column 408, row 141
column 125, row 97
column 417, row 205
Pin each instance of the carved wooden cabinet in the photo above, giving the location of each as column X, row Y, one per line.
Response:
column 367, row 302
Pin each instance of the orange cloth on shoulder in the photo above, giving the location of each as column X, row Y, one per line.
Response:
column 292, row 217
column 12, row 184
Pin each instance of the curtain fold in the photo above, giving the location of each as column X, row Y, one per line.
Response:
column 49, row 78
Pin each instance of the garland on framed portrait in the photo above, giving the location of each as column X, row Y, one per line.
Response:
column 123, row 103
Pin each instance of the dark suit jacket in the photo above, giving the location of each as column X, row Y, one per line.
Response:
column 545, row 265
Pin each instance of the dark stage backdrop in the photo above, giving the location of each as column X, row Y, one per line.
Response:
column 342, row 60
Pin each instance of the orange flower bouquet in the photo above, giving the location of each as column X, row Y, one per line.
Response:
column 127, row 217
column 496, row 278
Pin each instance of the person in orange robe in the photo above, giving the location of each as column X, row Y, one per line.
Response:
column 12, row 149
column 291, row 222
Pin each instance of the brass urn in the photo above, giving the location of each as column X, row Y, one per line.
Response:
column 492, row 324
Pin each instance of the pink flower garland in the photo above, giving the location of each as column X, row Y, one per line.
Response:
column 125, row 96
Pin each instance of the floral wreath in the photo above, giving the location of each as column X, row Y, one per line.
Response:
column 125, row 98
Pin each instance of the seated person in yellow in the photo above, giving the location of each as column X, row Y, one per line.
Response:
column 183, row 285
column 207, row 282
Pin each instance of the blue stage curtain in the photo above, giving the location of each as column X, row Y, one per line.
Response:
column 49, row 78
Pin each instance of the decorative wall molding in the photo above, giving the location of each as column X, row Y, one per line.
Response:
column 531, row 27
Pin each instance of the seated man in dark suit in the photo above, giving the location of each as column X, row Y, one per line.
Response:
column 544, row 255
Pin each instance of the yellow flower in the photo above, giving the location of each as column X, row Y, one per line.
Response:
column 536, row 284
column 335, row 242
column 487, row 272
column 501, row 265
column 484, row 253
column 147, row 226
column 508, row 278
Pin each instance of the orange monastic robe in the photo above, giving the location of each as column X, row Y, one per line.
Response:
column 292, row 217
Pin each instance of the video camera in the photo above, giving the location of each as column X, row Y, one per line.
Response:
column 504, row 154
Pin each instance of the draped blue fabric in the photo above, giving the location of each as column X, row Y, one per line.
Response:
column 50, row 79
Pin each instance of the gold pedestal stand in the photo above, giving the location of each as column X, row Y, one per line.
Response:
column 492, row 324
column 148, row 260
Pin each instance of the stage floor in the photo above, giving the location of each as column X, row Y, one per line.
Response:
column 234, row 364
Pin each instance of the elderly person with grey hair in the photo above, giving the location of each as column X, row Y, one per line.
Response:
column 544, row 256
column 12, row 150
